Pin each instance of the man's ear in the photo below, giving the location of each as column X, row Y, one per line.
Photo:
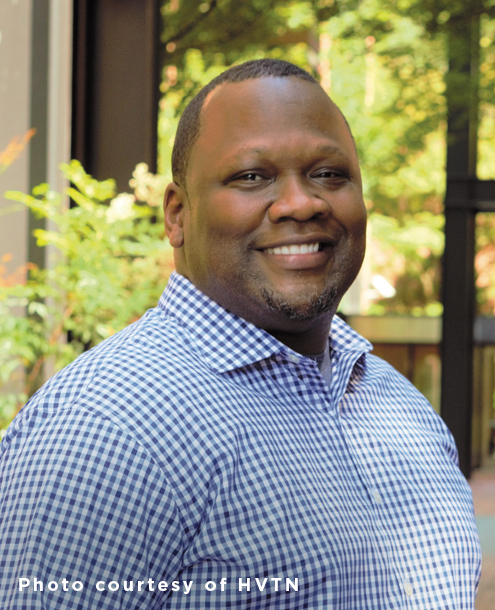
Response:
column 173, row 208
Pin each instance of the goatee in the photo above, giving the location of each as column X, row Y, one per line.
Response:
column 313, row 306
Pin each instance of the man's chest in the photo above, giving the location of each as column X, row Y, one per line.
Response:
column 363, row 512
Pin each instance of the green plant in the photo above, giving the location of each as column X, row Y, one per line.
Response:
column 109, row 263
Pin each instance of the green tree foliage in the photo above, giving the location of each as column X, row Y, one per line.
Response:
column 485, row 223
column 111, row 263
column 486, row 146
column 441, row 16
column 485, row 263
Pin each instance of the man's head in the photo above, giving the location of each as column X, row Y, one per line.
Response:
column 272, row 222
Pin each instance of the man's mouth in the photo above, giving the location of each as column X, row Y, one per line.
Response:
column 296, row 249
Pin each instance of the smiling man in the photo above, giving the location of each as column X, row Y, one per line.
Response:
column 239, row 446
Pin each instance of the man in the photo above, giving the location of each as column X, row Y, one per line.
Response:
column 239, row 446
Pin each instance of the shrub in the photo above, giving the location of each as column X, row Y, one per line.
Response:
column 109, row 263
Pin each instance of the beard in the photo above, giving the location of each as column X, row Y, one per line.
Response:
column 313, row 305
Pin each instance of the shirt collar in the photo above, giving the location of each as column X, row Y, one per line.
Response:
column 343, row 338
column 227, row 341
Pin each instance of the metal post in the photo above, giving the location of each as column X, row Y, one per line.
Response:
column 458, row 260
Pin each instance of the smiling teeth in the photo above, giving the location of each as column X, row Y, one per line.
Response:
column 302, row 249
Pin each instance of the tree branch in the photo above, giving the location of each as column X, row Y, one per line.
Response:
column 190, row 26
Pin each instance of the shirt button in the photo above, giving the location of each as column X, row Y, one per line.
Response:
column 376, row 496
column 408, row 588
column 293, row 359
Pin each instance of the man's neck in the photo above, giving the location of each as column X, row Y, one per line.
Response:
column 312, row 341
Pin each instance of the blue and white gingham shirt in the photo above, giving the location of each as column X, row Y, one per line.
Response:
column 193, row 446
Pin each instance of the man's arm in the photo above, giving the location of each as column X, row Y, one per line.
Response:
column 81, row 501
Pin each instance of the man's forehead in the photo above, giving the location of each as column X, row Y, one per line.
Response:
column 236, row 100
column 262, row 105
column 288, row 90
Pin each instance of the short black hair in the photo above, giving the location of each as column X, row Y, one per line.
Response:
column 189, row 124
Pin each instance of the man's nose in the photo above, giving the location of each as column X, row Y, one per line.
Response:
column 295, row 198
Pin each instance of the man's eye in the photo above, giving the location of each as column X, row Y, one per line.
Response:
column 328, row 173
column 251, row 177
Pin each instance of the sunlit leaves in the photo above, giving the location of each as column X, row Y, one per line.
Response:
column 112, row 264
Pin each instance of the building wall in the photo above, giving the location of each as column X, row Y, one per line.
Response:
column 15, row 90
column 35, row 91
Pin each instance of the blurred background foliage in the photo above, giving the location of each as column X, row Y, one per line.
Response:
column 384, row 62
column 109, row 264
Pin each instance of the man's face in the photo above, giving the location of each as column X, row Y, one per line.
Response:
column 272, row 222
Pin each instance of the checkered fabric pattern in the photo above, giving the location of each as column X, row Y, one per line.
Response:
column 194, row 447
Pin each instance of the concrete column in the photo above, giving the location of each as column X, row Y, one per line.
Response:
column 15, row 93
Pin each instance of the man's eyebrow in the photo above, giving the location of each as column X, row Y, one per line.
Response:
column 329, row 149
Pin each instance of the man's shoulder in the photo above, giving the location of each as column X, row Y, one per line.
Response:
column 380, row 373
column 145, row 367
column 147, row 384
column 150, row 346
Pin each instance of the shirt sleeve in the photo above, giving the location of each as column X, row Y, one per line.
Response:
column 81, row 504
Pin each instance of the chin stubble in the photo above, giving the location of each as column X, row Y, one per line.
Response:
column 313, row 306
